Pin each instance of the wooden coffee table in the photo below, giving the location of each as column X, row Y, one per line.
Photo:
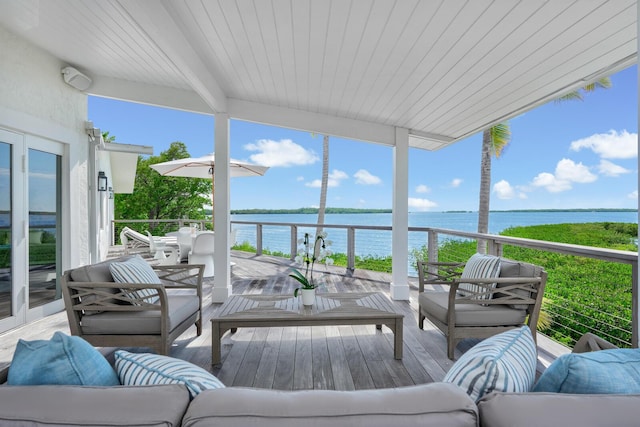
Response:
column 352, row 308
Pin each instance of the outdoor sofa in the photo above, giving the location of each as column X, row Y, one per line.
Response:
column 435, row 404
column 440, row 404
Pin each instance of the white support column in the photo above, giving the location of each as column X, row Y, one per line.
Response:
column 635, row 292
column 400, row 217
column 221, row 259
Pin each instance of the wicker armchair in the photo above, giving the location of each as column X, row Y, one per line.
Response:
column 515, row 300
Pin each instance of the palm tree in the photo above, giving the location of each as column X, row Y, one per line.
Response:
column 496, row 139
column 324, row 183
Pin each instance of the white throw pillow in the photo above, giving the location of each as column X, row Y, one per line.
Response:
column 479, row 266
column 504, row 362
column 154, row 369
column 136, row 270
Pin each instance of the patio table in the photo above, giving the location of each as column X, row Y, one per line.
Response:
column 350, row 308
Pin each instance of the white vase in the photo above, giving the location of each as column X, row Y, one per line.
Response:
column 308, row 296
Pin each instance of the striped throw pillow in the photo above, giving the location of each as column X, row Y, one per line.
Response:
column 136, row 270
column 479, row 266
column 153, row 369
column 505, row 362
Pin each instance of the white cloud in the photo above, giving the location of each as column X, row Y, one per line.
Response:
column 608, row 168
column 283, row 153
column 421, row 204
column 612, row 145
column 567, row 172
column 455, row 183
column 504, row 190
column 422, row 189
column 365, row 178
column 334, row 179
column 633, row 195
column 300, row 178
column 551, row 183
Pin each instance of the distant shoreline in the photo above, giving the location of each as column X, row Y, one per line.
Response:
column 370, row 211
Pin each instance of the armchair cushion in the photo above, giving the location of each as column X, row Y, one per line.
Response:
column 180, row 308
column 512, row 268
column 62, row 360
column 479, row 266
column 436, row 303
column 600, row 372
column 99, row 272
column 153, row 369
column 503, row 362
column 136, row 270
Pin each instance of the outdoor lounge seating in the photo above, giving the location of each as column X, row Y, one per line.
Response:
column 129, row 313
column 136, row 242
column 480, row 305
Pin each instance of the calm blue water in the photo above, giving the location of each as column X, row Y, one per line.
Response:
column 276, row 238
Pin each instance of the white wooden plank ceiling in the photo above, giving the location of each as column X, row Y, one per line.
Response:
column 355, row 68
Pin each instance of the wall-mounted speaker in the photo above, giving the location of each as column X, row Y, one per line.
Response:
column 75, row 78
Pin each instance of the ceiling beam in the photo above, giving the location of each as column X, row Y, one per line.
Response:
column 144, row 93
column 156, row 22
column 311, row 122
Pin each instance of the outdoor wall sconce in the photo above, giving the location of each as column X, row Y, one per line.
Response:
column 111, row 192
column 102, row 181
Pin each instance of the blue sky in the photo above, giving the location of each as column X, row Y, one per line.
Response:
column 575, row 154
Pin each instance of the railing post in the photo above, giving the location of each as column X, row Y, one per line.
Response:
column 351, row 248
column 635, row 305
column 493, row 247
column 294, row 242
column 432, row 250
column 258, row 239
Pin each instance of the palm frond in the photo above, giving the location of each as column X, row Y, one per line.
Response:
column 500, row 137
column 577, row 95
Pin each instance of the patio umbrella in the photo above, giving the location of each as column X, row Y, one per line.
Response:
column 202, row 167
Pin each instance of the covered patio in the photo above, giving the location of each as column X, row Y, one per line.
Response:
column 405, row 74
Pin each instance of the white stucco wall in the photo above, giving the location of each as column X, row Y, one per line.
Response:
column 34, row 100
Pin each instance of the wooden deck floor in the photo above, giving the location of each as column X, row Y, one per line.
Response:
column 318, row 357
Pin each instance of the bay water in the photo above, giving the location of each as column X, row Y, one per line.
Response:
column 378, row 243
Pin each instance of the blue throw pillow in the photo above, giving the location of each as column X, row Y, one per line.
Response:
column 61, row 360
column 504, row 362
column 148, row 369
column 614, row 371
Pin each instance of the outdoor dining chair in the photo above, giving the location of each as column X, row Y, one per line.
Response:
column 202, row 251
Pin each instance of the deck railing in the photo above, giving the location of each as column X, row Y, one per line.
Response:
column 567, row 316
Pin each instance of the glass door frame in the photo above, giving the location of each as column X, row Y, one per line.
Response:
column 51, row 147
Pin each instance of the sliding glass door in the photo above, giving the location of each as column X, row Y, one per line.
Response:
column 30, row 232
